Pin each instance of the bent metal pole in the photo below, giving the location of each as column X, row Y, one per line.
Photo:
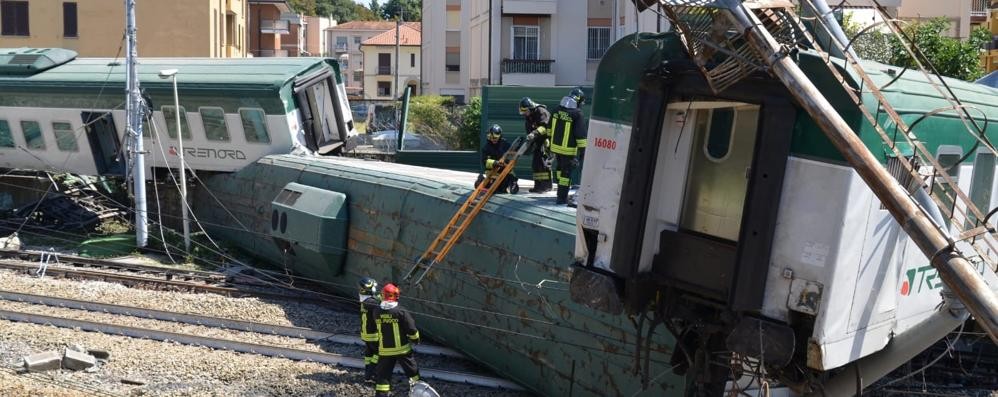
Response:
column 956, row 272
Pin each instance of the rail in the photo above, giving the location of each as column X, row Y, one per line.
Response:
column 527, row 65
column 249, row 348
column 208, row 321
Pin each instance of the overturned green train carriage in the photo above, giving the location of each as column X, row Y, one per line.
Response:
column 62, row 113
column 734, row 209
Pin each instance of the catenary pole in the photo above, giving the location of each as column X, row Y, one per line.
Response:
column 133, row 124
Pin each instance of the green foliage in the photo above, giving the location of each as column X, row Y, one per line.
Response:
column 438, row 118
column 345, row 11
column 471, row 123
column 339, row 10
column 951, row 57
column 411, row 10
column 306, row 7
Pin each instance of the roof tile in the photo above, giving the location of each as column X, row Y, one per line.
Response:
column 411, row 35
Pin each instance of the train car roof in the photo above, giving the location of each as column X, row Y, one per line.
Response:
column 269, row 72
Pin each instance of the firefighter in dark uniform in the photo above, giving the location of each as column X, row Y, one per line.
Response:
column 538, row 118
column 397, row 333
column 568, row 140
column 369, row 302
column 495, row 147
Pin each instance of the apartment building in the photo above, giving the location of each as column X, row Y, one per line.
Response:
column 315, row 36
column 471, row 43
column 380, row 83
column 343, row 42
column 274, row 30
column 176, row 28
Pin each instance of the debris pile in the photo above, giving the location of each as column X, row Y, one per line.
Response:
column 73, row 357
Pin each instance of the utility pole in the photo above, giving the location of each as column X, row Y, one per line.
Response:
column 398, row 33
column 133, row 127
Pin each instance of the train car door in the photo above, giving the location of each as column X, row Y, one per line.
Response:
column 104, row 143
column 316, row 95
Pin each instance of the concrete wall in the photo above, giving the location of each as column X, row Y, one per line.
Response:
column 176, row 28
column 408, row 75
column 956, row 11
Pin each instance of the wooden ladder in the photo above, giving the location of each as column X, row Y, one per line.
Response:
column 462, row 219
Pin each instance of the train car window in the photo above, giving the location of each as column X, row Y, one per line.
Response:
column 981, row 183
column 719, row 133
column 947, row 156
column 254, row 125
column 171, row 122
column 33, row 138
column 65, row 137
column 213, row 120
column 6, row 139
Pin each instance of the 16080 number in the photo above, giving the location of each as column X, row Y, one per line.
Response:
column 605, row 143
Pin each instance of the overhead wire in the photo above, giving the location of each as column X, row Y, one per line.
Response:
column 277, row 282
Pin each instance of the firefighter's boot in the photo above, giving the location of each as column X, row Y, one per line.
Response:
column 541, row 186
column 562, row 195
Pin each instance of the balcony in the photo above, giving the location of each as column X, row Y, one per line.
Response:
column 342, row 47
column 530, row 7
column 271, row 53
column 384, row 70
column 979, row 10
column 527, row 72
column 275, row 26
column 527, row 65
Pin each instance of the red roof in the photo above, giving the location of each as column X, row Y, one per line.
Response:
column 365, row 25
column 411, row 35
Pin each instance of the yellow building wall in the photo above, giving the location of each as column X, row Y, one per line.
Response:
column 165, row 28
column 408, row 75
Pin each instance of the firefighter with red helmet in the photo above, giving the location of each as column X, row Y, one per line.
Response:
column 397, row 334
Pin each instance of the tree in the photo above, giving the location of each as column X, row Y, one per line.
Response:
column 411, row 10
column 306, row 7
column 471, row 124
column 375, row 8
column 951, row 57
column 344, row 11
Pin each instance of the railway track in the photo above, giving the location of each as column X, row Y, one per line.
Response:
column 231, row 345
column 145, row 276
column 209, row 321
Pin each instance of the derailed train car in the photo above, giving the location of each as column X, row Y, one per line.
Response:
column 733, row 220
column 62, row 113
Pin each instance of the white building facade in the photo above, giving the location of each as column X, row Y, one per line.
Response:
column 471, row 43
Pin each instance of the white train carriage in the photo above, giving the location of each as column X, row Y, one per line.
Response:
column 59, row 113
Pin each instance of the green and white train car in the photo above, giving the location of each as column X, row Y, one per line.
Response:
column 735, row 210
column 60, row 113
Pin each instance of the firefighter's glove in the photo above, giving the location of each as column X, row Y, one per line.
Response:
column 531, row 136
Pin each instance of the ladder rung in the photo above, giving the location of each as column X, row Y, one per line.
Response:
column 977, row 231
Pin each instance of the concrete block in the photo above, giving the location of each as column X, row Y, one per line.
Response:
column 77, row 347
column 100, row 354
column 46, row 361
column 76, row 361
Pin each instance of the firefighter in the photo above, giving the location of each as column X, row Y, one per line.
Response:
column 369, row 302
column 495, row 147
column 568, row 140
column 538, row 118
column 396, row 334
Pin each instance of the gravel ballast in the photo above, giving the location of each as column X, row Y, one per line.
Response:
column 172, row 369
